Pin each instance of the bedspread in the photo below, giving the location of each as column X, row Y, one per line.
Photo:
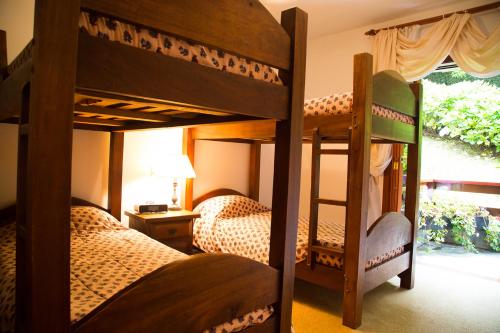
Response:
column 105, row 258
column 338, row 104
column 246, row 230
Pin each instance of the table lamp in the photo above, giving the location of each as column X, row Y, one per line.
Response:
column 178, row 166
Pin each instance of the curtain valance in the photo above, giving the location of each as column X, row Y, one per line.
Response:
column 414, row 55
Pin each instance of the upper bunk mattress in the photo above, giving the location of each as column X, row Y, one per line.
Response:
column 339, row 104
column 105, row 258
column 242, row 226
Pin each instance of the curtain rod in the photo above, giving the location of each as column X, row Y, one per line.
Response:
column 494, row 5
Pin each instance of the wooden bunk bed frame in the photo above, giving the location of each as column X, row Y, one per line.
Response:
column 357, row 130
column 54, row 81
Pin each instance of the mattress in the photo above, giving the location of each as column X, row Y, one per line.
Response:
column 106, row 257
column 241, row 226
column 339, row 104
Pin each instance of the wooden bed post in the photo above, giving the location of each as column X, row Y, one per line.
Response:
column 413, row 188
column 287, row 160
column 393, row 182
column 115, row 174
column 254, row 177
column 188, row 149
column 44, row 179
column 357, row 208
column 3, row 54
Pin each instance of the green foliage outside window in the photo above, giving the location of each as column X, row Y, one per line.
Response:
column 465, row 111
column 440, row 216
column 492, row 230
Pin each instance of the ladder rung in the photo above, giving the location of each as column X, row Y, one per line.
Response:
column 335, row 151
column 331, row 202
column 327, row 250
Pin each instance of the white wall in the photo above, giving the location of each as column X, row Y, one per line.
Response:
column 221, row 165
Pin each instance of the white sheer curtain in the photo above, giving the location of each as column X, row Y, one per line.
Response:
column 415, row 56
column 380, row 158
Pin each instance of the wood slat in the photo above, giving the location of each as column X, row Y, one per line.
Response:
column 395, row 131
column 380, row 274
column 181, row 122
column 254, row 33
column 258, row 129
column 122, row 113
column 331, row 202
column 325, row 276
column 105, row 66
column 392, row 91
column 327, row 250
column 168, row 109
column 97, row 121
column 335, row 151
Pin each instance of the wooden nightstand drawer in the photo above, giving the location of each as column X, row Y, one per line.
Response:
column 170, row 230
column 173, row 228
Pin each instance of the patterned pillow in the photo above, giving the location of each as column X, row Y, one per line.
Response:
column 86, row 218
column 227, row 206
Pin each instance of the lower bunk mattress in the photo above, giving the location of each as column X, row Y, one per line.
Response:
column 106, row 257
column 239, row 225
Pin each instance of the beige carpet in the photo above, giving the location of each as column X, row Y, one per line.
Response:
column 453, row 293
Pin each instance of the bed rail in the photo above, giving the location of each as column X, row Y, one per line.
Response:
column 246, row 29
column 105, row 67
column 189, row 295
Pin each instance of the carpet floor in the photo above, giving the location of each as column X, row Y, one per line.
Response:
column 454, row 293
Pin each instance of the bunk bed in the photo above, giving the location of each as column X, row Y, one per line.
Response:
column 107, row 65
column 354, row 257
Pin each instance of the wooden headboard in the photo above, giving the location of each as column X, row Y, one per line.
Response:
column 8, row 214
column 215, row 193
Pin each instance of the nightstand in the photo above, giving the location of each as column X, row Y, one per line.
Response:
column 173, row 228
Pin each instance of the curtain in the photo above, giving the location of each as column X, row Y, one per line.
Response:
column 380, row 158
column 415, row 56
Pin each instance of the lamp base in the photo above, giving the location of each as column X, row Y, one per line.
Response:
column 174, row 207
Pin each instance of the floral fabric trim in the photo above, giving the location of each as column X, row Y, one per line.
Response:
column 105, row 258
column 338, row 104
column 154, row 41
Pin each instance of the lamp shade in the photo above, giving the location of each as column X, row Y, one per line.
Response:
column 176, row 166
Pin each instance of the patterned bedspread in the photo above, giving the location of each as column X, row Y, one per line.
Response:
column 105, row 258
column 338, row 104
column 239, row 225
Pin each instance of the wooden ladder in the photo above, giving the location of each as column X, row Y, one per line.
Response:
column 313, row 245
